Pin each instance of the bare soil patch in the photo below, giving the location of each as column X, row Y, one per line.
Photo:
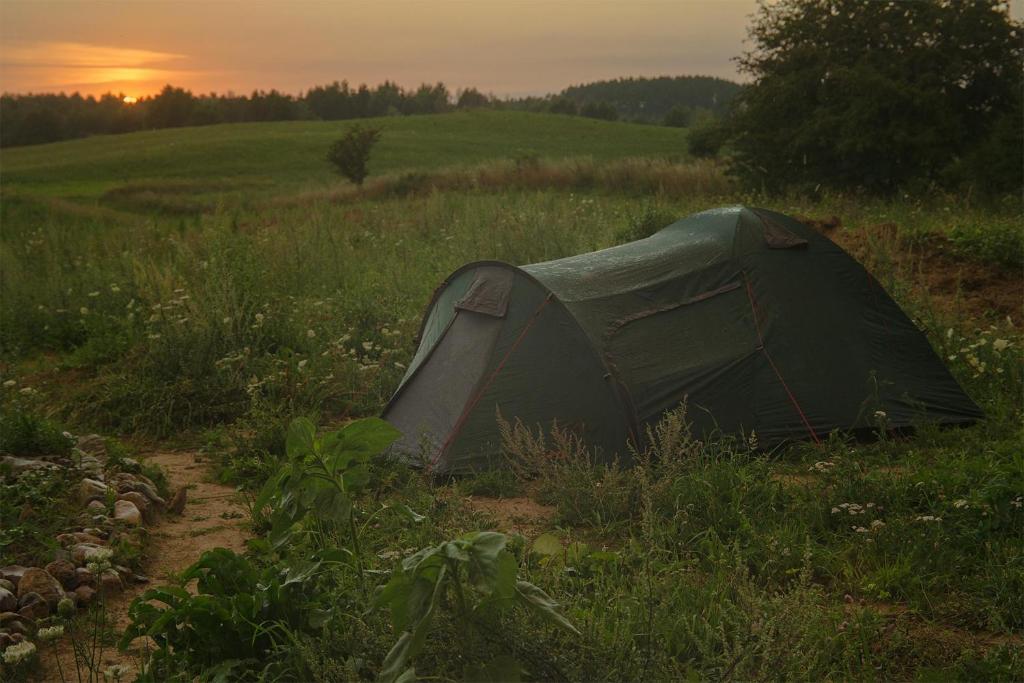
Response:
column 515, row 515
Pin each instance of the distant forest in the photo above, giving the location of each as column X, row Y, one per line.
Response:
column 35, row 119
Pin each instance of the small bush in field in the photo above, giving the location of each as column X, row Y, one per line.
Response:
column 351, row 154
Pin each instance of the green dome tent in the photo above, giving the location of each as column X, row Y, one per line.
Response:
column 757, row 321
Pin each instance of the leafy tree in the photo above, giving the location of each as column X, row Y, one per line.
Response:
column 877, row 95
column 563, row 105
column 471, row 98
column 351, row 154
column 171, row 108
column 600, row 110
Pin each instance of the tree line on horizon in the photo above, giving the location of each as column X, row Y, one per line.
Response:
column 28, row 119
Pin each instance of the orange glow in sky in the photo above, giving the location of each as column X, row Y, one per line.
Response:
column 507, row 47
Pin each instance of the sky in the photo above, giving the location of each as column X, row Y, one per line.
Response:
column 504, row 47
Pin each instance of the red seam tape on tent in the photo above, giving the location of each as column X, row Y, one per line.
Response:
column 490, row 378
column 775, row 369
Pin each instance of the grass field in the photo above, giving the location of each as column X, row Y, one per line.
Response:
column 206, row 286
column 277, row 157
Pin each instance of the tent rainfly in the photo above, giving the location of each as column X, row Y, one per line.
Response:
column 760, row 323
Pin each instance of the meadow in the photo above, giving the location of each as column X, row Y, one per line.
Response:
column 205, row 287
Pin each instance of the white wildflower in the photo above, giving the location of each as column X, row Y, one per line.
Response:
column 226, row 319
column 877, row 524
column 880, row 415
column 10, row 383
column 367, row 346
column 302, row 363
column 94, row 294
column 1000, row 345
column 928, row 518
column 83, row 310
column 115, row 672
column 51, row 633
column 961, row 503
column 18, row 652
column 310, row 334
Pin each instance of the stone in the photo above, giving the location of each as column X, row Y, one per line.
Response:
column 19, row 638
column 77, row 537
column 64, row 572
column 33, row 606
column 8, row 601
column 5, row 641
column 141, row 487
column 110, row 582
column 22, row 625
column 85, row 552
column 8, row 585
column 19, row 465
column 91, row 466
column 125, row 511
column 130, row 465
column 96, row 506
column 177, row 505
column 85, row 594
column 93, row 444
column 142, row 503
column 13, row 573
column 6, row 617
column 90, row 489
column 100, row 533
column 84, row 577
column 36, row 580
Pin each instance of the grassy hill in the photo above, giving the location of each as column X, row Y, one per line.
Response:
column 281, row 155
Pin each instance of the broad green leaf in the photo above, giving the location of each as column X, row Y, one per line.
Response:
column 546, row 544
column 455, row 551
column 414, row 561
column 487, row 544
column 268, row 492
column 407, row 676
column 538, row 600
column 411, row 514
column 393, row 668
column 356, row 478
column 300, row 438
column 367, row 437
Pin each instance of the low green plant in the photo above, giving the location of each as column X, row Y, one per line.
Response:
column 239, row 622
column 316, row 489
column 477, row 577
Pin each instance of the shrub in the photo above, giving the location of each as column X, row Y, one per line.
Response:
column 351, row 154
column 705, row 139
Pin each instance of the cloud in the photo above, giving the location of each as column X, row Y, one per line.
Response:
column 69, row 64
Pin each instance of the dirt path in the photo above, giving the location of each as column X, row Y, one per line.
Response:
column 214, row 517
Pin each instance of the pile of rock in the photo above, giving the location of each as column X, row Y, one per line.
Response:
column 117, row 503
